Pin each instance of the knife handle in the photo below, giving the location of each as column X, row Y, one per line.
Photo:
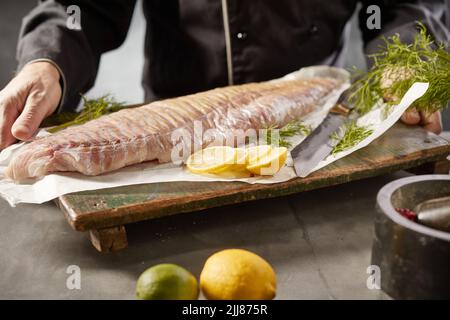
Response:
column 340, row 109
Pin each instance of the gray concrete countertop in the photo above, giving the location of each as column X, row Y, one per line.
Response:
column 318, row 242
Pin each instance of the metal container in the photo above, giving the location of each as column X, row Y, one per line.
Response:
column 414, row 259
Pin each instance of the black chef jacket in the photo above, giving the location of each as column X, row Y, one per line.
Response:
column 195, row 45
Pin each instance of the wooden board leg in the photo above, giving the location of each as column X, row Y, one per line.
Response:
column 437, row 167
column 109, row 239
column 442, row 167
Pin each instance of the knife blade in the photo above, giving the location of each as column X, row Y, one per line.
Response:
column 319, row 144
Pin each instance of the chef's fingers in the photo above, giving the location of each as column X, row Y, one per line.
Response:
column 12, row 99
column 411, row 117
column 8, row 114
column 43, row 94
column 34, row 111
column 431, row 122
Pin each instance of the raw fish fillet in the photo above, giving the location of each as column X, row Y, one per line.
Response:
column 145, row 133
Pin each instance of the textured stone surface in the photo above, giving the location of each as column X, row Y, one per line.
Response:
column 319, row 243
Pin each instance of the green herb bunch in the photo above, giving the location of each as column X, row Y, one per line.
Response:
column 92, row 109
column 350, row 135
column 289, row 130
column 397, row 66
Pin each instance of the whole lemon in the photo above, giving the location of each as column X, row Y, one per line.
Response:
column 237, row 274
column 166, row 282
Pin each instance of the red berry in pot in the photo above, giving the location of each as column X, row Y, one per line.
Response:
column 407, row 213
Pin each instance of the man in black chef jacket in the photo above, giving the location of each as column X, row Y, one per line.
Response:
column 191, row 46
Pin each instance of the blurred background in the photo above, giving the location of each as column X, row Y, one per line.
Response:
column 120, row 70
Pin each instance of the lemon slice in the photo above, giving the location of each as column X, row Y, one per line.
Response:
column 234, row 174
column 240, row 160
column 235, row 168
column 238, row 168
column 270, row 163
column 256, row 152
column 211, row 160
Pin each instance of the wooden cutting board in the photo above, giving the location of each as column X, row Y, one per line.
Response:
column 105, row 212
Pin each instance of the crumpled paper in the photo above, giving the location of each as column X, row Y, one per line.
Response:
column 58, row 184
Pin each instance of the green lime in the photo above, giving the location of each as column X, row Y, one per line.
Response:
column 167, row 282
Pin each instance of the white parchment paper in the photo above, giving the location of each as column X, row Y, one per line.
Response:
column 58, row 184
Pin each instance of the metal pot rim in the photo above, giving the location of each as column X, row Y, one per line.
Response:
column 384, row 201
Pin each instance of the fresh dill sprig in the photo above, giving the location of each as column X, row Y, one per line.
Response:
column 92, row 109
column 397, row 66
column 349, row 136
column 289, row 130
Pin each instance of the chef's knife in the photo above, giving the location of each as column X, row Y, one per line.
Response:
column 319, row 144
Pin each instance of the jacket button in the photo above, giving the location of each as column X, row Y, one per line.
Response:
column 241, row 35
column 313, row 29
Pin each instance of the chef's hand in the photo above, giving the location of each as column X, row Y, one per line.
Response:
column 430, row 122
column 33, row 94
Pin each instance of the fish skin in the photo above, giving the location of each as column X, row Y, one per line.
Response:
column 132, row 136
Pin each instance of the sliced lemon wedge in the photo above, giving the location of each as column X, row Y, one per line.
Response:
column 212, row 159
column 238, row 168
column 240, row 160
column 238, row 164
column 270, row 163
column 256, row 152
